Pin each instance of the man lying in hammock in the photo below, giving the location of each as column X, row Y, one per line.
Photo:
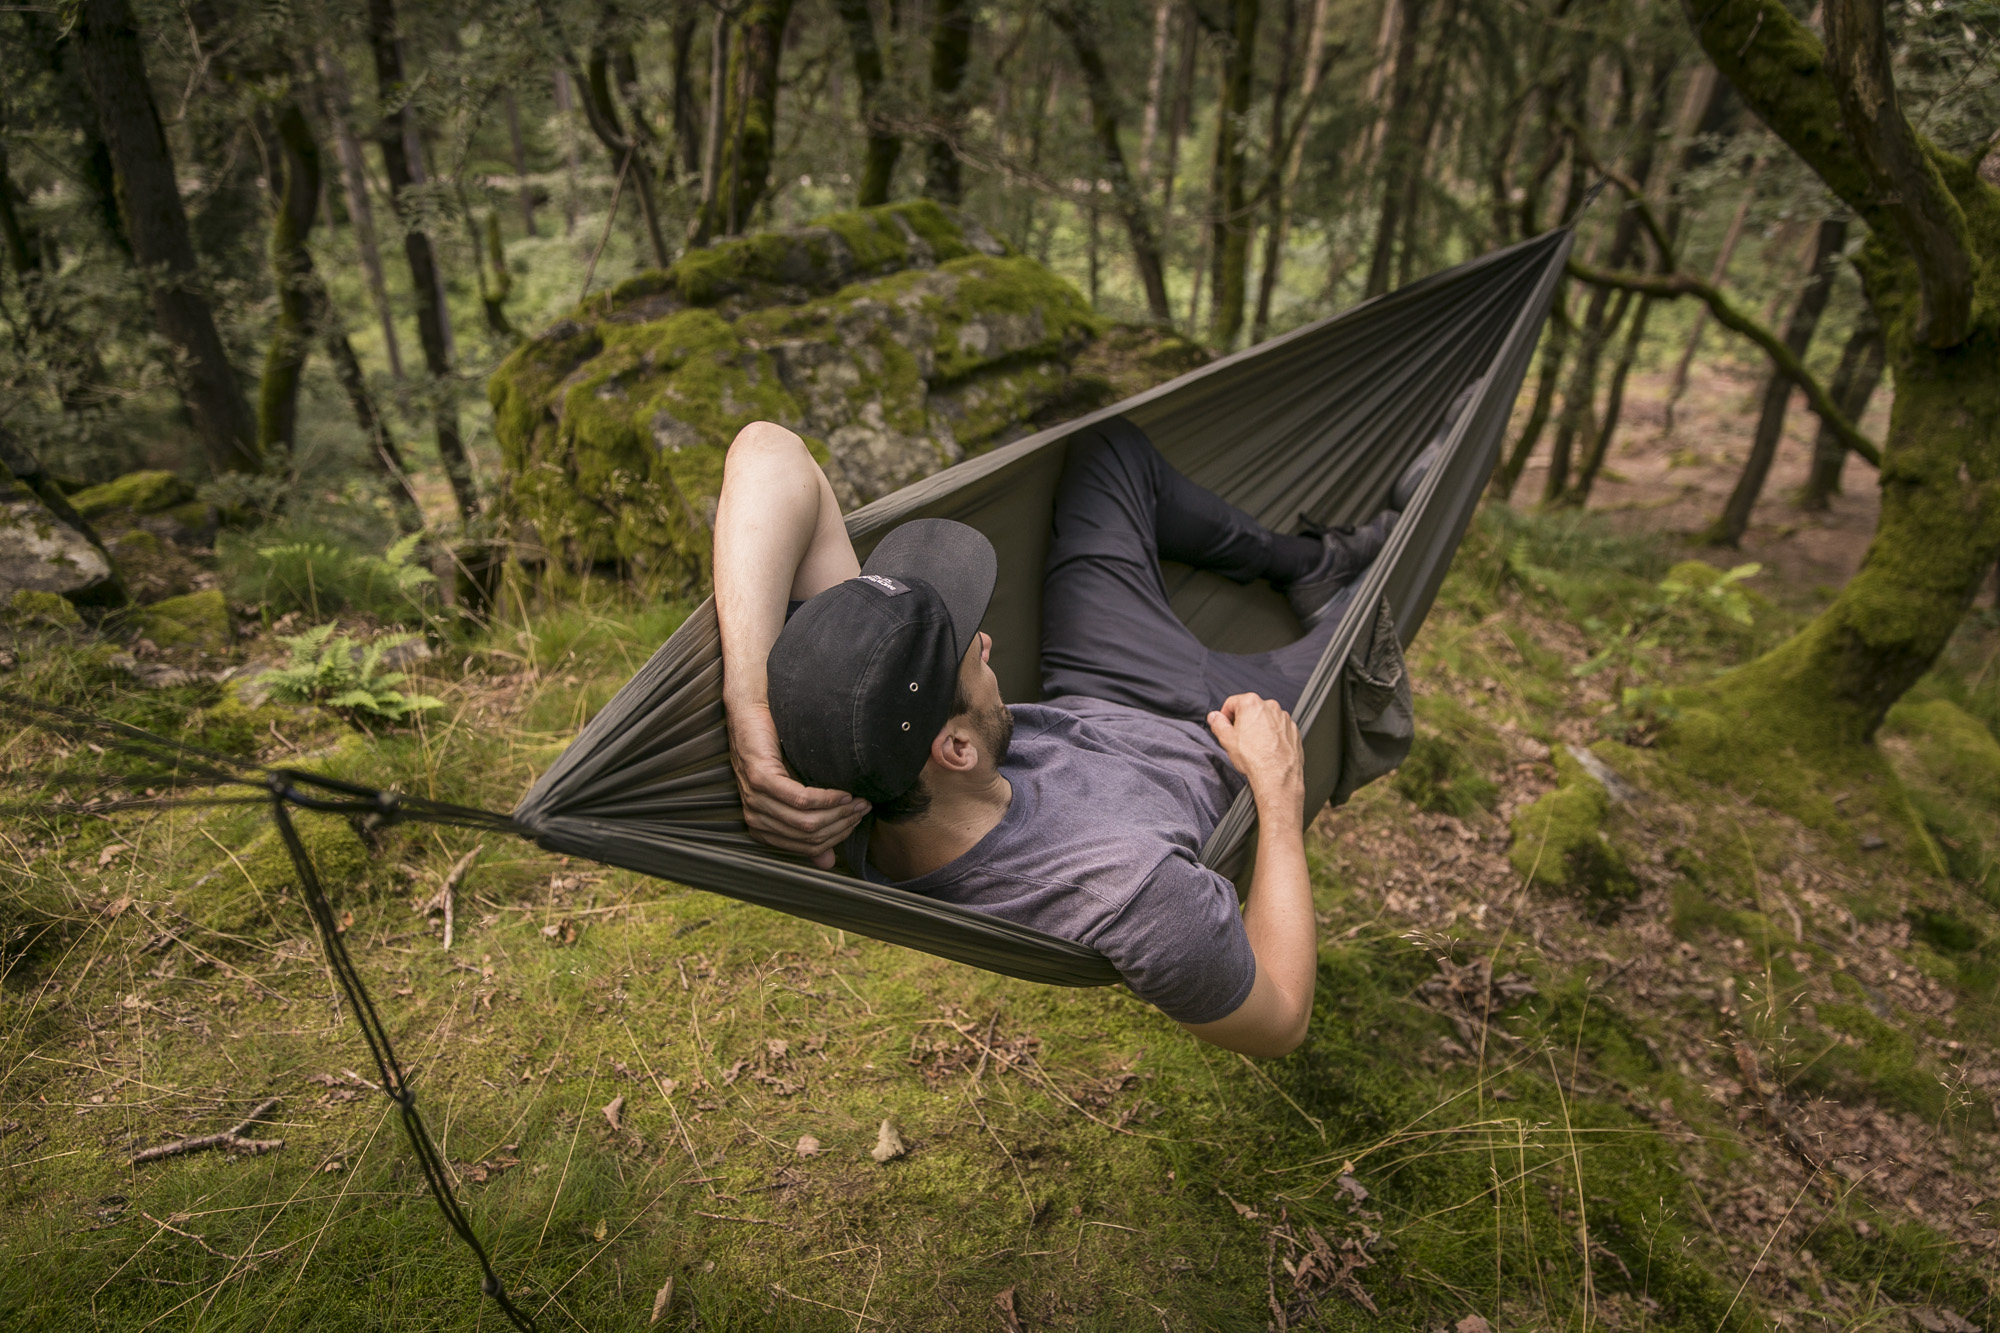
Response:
column 1082, row 816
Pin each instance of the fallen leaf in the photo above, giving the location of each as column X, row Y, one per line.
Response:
column 668, row 1086
column 612, row 1109
column 114, row 910
column 808, row 1146
column 110, row 854
column 601, row 1232
column 1352, row 1188
column 889, row 1144
column 777, row 1047
column 1243, row 1210
column 1942, row 1321
column 662, row 1301
column 1010, row 1318
column 332, row 1165
column 1473, row 1323
column 734, row 1072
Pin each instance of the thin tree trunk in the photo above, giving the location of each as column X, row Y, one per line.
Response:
column 1111, row 158
column 1281, row 230
column 1229, row 224
column 1402, row 92
column 1156, row 77
column 718, row 107
column 291, row 267
column 360, row 206
column 1177, row 120
column 951, row 49
column 1853, row 385
column 1276, row 183
column 1555, row 346
column 149, row 199
column 424, row 281
column 1387, row 44
column 627, row 149
column 1716, row 273
column 1418, row 160
column 566, row 108
column 878, row 167
column 687, row 133
column 745, row 174
column 523, row 191
column 1614, row 407
column 1828, row 242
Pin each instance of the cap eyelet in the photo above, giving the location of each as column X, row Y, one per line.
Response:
column 913, row 687
column 906, row 726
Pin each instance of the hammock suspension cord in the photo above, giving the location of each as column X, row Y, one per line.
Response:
column 282, row 789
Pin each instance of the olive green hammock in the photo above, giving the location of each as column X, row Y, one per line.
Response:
column 1319, row 422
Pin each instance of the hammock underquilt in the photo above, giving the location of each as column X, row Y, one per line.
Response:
column 1317, row 423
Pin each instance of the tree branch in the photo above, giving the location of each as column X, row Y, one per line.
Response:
column 229, row 1138
column 1903, row 181
column 1671, row 285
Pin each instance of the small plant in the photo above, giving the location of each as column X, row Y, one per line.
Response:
column 1694, row 603
column 345, row 677
column 318, row 578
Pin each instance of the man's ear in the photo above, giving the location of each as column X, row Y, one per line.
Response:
column 955, row 748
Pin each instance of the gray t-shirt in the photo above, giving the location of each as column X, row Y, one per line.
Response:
column 1099, row 845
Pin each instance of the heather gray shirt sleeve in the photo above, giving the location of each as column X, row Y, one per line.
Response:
column 1180, row 945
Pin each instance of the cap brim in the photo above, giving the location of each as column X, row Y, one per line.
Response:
column 953, row 558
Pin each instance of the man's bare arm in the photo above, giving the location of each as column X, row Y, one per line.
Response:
column 1263, row 743
column 778, row 538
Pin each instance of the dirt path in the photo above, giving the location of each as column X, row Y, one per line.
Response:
column 1678, row 483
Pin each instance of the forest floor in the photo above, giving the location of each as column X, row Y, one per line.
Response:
column 1756, row 1089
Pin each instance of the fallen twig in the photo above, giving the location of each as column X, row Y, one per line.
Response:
column 203, row 1242
column 442, row 900
column 229, row 1138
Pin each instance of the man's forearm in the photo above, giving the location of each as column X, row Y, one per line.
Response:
column 1278, row 912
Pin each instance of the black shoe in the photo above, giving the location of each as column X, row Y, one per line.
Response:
column 1405, row 489
column 1348, row 551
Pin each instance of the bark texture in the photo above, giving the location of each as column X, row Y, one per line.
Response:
column 1229, row 228
column 150, row 203
column 878, row 163
column 1854, row 382
column 1939, row 532
column 951, row 49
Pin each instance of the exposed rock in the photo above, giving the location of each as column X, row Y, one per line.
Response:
column 895, row 340
column 41, row 553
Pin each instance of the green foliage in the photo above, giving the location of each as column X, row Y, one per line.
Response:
column 1695, row 605
column 1447, row 770
column 346, row 678
column 198, row 620
column 318, row 577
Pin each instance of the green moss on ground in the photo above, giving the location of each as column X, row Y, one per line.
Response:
column 1561, row 840
column 28, row 607
column 194, row 620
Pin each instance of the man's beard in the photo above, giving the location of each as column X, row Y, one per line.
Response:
column 995, row 729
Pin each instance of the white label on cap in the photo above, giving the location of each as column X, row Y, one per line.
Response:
column 889, row 586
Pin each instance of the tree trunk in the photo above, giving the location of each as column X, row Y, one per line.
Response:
column 743, row 171
column 1229, row 223
column 1417, row 160
column 687, row 130
column 291, row 269
column 524, row 193
column 878, row 167
column 951, row 48
column 1831, row 238
column 1716, row 273
column 1853, row 385
column 629, row 153
column 1287, row 186
column 1614, row 407
column 1402, row 92
column 1830, row 685
column 1177, row 122
column 149, row 200
column 1111, row 160
column 425, row 287
column 360, row 208
column 1555, row 346
column 566, row 108
column 1156, row 78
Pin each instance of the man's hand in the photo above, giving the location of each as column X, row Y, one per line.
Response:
column 780, row 810
column 1263, row 742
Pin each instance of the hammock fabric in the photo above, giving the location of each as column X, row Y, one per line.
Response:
column 1317, row 425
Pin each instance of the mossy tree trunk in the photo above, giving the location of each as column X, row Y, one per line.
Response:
column 291, row 268
column 1931, row 270
column 632, row 151
column 748, row 122
column 878, row 165
column 1229, row 224
column 393, row 137
column 149, row 200
column 951, row 50
column 1799, row 328
column 1854, row 382
column 1111, row 157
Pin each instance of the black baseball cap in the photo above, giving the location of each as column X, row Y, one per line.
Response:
column 863, row 675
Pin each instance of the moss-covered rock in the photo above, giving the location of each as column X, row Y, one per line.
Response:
column 196, row 620
column 27, row 607
column 895, row 340
column 1560, row 841
column 136, row 492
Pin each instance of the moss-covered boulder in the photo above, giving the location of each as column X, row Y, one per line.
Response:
column 138, row 492
column 1560, row 840
column 39, row 552
column 196, row 620
column 895, row 340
